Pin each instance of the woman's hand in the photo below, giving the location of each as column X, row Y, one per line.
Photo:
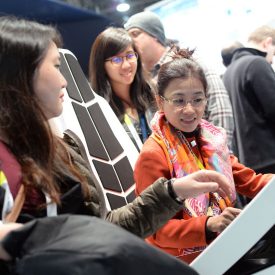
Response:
column 219, row 223
column 4, row 230
column 200, row 182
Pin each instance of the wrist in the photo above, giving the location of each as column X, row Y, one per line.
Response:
column 209, row 235
column 171, row 191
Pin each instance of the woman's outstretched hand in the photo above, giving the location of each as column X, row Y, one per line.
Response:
column 201, row 182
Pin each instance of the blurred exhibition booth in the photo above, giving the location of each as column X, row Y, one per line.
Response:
column 209, row 25
column 206, row 25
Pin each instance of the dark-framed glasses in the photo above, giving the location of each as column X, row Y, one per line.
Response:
column 118, row 60
column 179, row 102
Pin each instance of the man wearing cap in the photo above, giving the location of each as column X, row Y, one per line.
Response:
column 148, row 34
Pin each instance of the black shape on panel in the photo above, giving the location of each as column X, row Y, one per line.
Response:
column 125, row 173
column 115, row 201
column 107, row 176
column 71, row 87
column 80, row 78
column 111, row 143
column 94, row 143
column 131, row 196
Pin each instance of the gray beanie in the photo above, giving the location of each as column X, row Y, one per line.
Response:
column 148, row 22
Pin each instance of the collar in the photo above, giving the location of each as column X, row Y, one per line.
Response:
column 244, row 51
column 164, row 58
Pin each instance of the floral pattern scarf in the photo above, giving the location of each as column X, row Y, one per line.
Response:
column 214, row 154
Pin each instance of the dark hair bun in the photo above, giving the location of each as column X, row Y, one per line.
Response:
column 178, row 53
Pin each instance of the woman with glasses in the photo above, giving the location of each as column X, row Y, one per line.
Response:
column 182, row 143
column 115, row 73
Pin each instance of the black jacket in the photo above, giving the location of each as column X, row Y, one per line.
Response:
column 250, row 81
column 81, row 245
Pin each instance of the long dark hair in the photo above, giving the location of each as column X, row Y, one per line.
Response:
column 23, row 124
column 181, row 66
column 109, row 43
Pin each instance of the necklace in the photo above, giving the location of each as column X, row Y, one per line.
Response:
column 193, row 142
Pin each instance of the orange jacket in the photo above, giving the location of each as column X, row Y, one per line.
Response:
column 179, row 233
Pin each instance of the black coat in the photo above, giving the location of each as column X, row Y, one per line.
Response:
column 250, row 81
column 81, row 245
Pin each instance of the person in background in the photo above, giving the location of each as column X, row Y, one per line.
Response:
column 228, row 51
column 250, row 81
column 147, row 31
column 115, row 73
column 227, row 54
column 183, row 143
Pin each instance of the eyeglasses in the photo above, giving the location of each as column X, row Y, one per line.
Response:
column 179, row 102
column 118, row 60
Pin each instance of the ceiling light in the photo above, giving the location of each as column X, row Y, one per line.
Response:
column 122, row 7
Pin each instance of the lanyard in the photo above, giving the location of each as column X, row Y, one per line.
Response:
column 183, row 138
column 143, row 127
column 51, row 206
column 133, row 131
column 8, row 199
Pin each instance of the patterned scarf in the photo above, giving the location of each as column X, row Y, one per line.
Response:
column 214, row 154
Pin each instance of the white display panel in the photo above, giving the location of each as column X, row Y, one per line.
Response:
column 253, row 222
column 109, row 149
